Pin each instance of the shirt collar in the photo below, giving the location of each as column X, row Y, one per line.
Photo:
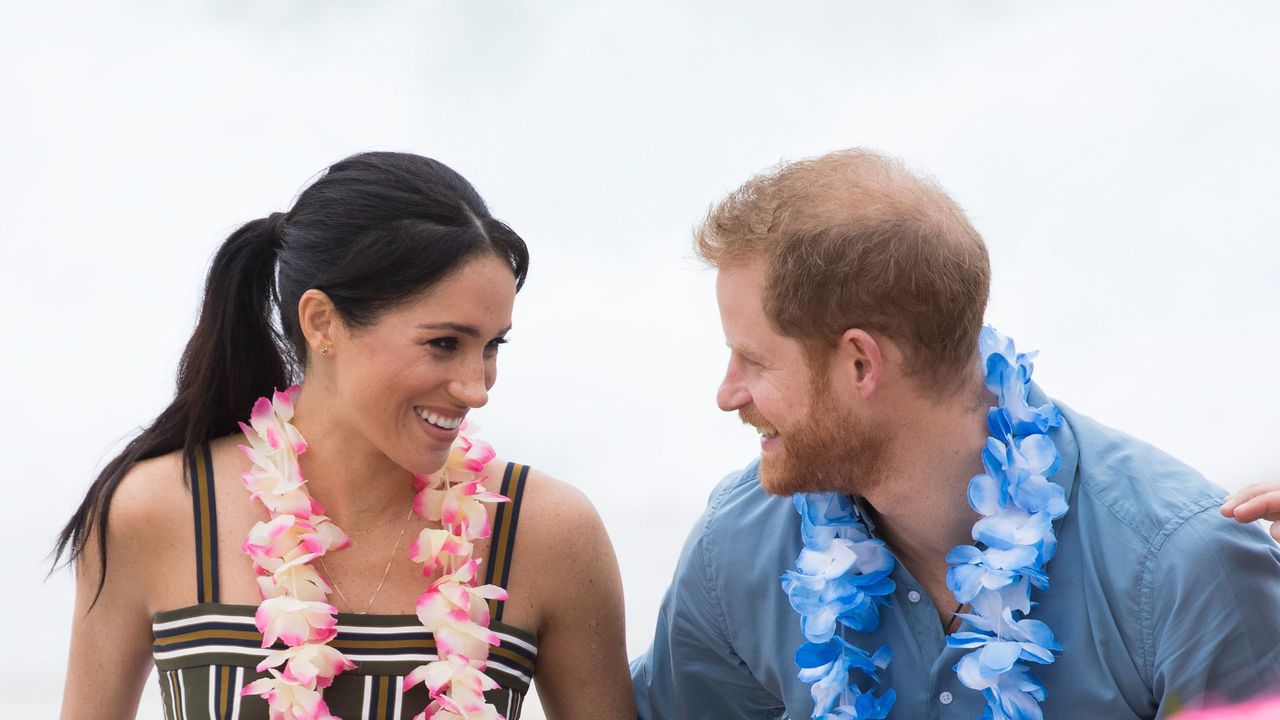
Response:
column 1064, row 439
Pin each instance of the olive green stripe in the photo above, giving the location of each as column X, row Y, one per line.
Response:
column 384, row 686
column 224, row 692
column 409, row 622
column 207, row 547
column 344, row 696
column 176, row 691
column 501, row 541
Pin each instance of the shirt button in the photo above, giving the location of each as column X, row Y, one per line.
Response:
column 913, row 596
column 945, row 698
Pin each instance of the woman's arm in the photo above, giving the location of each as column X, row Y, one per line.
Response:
column 1256, row 502
column 582, row 655
column 111, row 638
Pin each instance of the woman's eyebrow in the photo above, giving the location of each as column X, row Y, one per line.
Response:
column 459, row 328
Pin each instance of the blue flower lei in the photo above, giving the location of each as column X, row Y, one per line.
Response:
column 841, row 577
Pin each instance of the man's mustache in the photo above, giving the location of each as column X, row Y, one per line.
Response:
column 751, row 416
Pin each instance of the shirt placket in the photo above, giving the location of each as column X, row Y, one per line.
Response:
column 914, row 633
column 925, row 654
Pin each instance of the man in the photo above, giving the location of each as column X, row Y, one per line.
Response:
column 1105, row 583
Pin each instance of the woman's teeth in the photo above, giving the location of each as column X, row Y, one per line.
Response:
column 444, row 423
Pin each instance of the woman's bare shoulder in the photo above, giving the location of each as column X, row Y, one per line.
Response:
column 559, row 524
column 150, row 515
column 151, row 491
column 146, row 524
column 545, row 500
column 564, row 558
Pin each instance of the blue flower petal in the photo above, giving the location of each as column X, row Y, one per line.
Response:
column 998, row 657
column 969, row 673
column 810, row 655
column 984, row 495
column 964, row 581
column 1036, row 494
column 966, row 639
column 820, row 626
column 1039, row 455
column 870, row 707
column 964, row 554
column 999, row 423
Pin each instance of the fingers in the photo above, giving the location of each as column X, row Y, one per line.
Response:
column 1275, row 531
column 1254, row 502
column 1246, row 494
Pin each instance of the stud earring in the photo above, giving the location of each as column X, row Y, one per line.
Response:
column 324, row 351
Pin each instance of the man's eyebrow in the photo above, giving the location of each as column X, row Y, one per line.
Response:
column 743, row 350
column 460, row 328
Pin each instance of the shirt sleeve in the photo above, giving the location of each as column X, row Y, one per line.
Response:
column 691, row 670
column 1213, row 613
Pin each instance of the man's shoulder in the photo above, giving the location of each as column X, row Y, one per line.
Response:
column 742, row 520
column 740, row 486
column 739, row 496
column 1147, row 491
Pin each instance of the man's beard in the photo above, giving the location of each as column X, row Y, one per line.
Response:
column 828, row 451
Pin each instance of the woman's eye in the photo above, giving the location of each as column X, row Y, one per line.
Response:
column 494, row 344
column 446, row 343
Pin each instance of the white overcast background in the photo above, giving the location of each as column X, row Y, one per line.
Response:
column 1119, row 158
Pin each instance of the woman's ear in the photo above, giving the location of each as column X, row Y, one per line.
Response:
column 318, row 319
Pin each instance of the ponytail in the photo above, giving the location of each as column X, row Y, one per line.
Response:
column 234, row 357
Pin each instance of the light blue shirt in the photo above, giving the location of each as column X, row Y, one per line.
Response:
column 1157, row 599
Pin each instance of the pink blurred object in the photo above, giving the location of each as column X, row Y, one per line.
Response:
column 1268, row 709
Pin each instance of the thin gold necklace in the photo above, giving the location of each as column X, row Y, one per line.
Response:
column 366, row 531
column 385, row 572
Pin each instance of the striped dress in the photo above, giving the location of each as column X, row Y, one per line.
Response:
column 206, row 653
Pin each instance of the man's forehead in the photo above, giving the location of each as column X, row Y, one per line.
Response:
column 745, row 275
column 747, row 329
column 740, row 299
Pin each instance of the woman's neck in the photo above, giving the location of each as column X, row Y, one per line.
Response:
column 356, row 483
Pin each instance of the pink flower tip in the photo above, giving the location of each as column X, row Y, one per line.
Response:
column 262, row 409
column 287, row 398
column 1265, row 709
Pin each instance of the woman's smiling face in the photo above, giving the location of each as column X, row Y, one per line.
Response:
column 406, row 382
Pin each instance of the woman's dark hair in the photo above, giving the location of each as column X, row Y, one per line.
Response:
column 376, row 229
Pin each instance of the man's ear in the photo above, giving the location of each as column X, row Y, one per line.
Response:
column 860, row 355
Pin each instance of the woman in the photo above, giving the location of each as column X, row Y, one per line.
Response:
column 394, row 288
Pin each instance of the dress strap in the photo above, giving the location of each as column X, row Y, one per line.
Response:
column 206, row 517
column 503, row 542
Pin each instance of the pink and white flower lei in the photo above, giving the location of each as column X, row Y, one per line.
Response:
column 294, row 609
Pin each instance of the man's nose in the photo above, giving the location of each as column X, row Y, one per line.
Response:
column 732, row 393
